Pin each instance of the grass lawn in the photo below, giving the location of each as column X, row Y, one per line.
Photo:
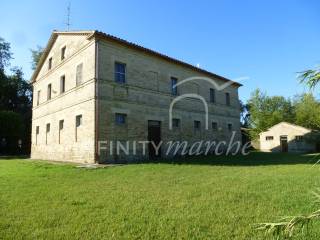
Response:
column 202, row 198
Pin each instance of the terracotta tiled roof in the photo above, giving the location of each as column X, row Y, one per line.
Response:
column 108, row 37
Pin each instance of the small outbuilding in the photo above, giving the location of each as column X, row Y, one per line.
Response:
column 287, row 137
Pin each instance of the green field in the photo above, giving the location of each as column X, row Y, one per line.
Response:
column 202, row 198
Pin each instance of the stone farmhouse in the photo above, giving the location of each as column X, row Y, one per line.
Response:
column 287, row 137
column 90, row 87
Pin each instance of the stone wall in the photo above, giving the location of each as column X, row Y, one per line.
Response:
column 146, row 95
column 76, row 100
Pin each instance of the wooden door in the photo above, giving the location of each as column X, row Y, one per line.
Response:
column 284, row 143
column 154, row 135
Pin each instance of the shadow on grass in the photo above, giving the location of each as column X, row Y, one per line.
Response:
column 253, row 159
column 3, row 157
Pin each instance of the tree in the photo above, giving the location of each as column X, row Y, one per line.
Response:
column 16, row 93
column 266, row 111
column 307, row 110
column 15, row 97
column 244, row 114
column 36, row 55
column 310, row 77
column 11, row 131
column 5, row 54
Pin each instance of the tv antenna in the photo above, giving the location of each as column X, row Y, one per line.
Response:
column 68, row 16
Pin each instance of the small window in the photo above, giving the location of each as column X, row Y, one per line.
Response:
column 78, row 124
column 212, row 95
column 299, row 138
column 62, row 84
column 79, row 74
column 229, row 126
column 50, row 63
column 63, row 53
column 228, row 99
column 49, row 91
column 120, row 72
column 176, row 122
column 174, row 88
column 61, row 124
column 78, row 121
column 37, row 133
column 121, row 118
column 214, row 126
column 38, row 98
column 269, row 138
column 47, row 132
column 197, row 125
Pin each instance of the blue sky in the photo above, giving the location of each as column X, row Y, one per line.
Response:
column 268, row 41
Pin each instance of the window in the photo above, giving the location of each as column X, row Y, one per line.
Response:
column 214, row 126
column 78, row 124
column 62, row 84
column 38, row 98
column 79, row 74
column 121, row 118
column 269, row 138
column 197, row 125
column 47, row 132
column 61, row 123
column 49, row 91
column 120, row 72
column 37, row 133
column 228, row 99
column 229, row 126
column 212, row 95
column 174, row 88
column 176, row 122
column 78, row 121
column 299, row 138
column 50, row 63
column 63, row 53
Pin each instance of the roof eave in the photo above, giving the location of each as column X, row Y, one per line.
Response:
column 98, row 34
column 101, row 35
column 43, row 56
column 47, row 49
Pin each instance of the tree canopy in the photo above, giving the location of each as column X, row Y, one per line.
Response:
column 15, row 102
column 307, row 111
column 35, row 56
column 266, row 111
column 5, row 54
column 310, row 77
